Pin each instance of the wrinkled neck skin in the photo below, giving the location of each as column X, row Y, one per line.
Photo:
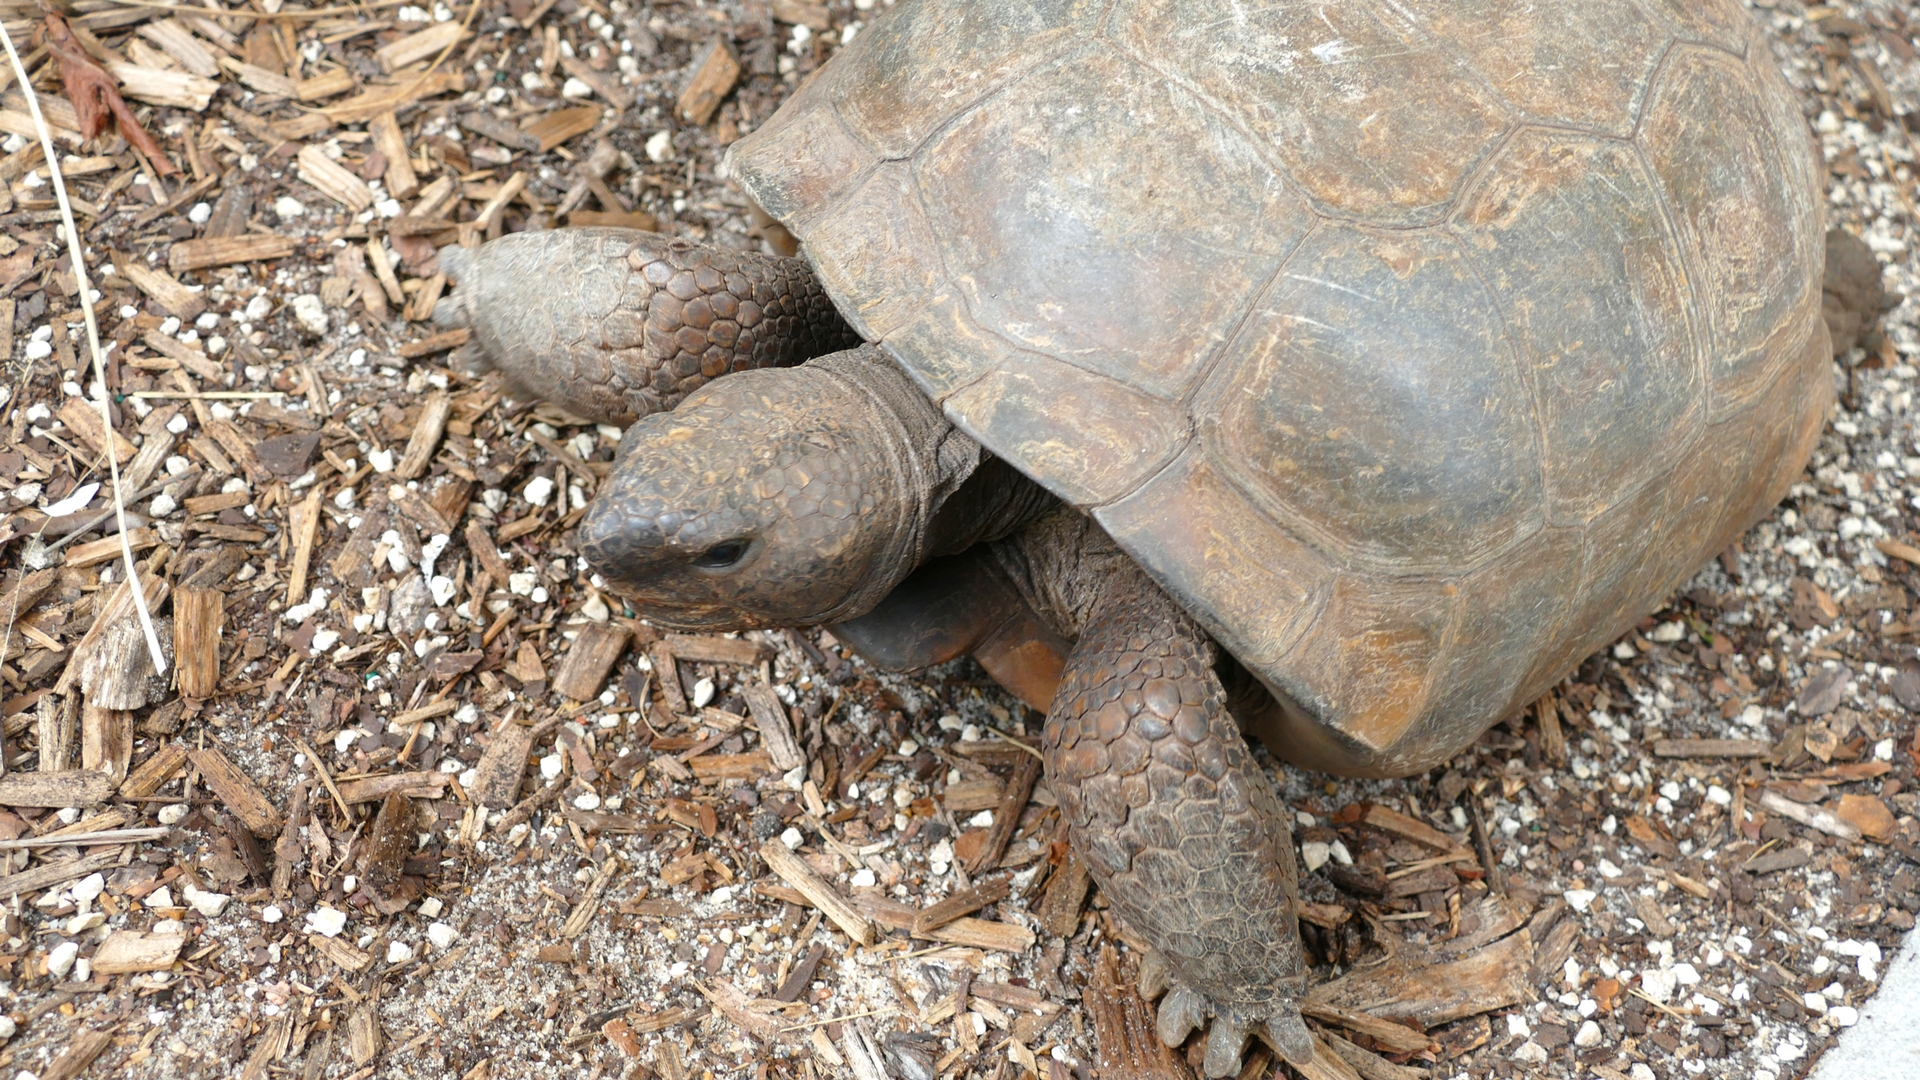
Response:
column 953, row 493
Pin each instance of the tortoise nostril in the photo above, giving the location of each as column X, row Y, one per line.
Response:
column 722, row 555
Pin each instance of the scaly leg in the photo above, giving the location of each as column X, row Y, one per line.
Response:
column 614, row 324
column 1181, row 829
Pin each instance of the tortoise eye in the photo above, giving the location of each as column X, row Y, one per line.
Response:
column 721, row 556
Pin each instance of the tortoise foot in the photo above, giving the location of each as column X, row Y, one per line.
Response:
column 1184, row 1010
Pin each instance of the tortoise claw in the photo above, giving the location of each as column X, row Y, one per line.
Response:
column 1290, row 1035
column 1155, row 975
column 1181, row 1012
column 1225, row 1043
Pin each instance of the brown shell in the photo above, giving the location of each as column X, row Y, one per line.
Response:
column 1418, row 347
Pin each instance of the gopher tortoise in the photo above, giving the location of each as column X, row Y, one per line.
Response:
column 1345, row 373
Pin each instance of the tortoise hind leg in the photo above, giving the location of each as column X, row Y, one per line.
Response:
column 1181, row 829
column 614, row 324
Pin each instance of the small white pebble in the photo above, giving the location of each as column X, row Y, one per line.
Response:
column 442, row 935
column 431, row 907
column 399, row 952
column 60, row 959
column 702, row 693
column 791, row 838
column 326, row 921
column 863, row 878
column 172, row 813
column 272, row 914
column 550, row 765
column 539, row 491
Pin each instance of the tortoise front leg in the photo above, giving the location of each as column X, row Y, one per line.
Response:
column 615, row 324
column 1178, row 825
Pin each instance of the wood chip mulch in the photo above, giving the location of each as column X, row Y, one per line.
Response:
column 415, row 795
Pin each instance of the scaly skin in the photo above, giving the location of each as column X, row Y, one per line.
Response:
column 616, row 324
column 1181, row 829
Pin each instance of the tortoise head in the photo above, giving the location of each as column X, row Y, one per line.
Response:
column 780, row 497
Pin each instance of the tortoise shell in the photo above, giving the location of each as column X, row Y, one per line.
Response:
column 1417, row 347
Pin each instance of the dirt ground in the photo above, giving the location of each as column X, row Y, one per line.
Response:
column 419, row 798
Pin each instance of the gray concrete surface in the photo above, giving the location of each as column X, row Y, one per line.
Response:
column 1885, row 1044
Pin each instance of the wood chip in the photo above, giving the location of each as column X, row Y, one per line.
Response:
column 177, row 89
column 1398, row 824
column 497, row 777
column 157, row 770
column 106, row 740
column 340, row 953
column 84, row 418
column 48, row 875
column 427, row 784
column 603, row 83
column 803, row 13
column 400, row 180
column 1390, row 1035
column 1813, row 817
column 163, row 288
column 795, row 872
column 776, row 732
column 324, row 85
column 127, row 951
column 436, row 343
column 706, row 649
column 400, row 52
column 372, row 102
column 80, row 1052
column 963, row 902
column 1711, row 748
column 712, row 768
column 549, row 130
column 176, row 40
column 333, row 180
column 1006, row 815
column 237, row 792
column 1405, row 988
column 583, row 671
column 966, row 932
column 714, row 76
column 201, row 254
column 71, row 787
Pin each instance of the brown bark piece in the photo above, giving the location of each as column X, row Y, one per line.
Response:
column 1397, row 824
column 163, row 288
column 967, row 931
column 1006, row 816
column 498, row 774
column 127, row 951
column 1123, row 1036
column 666, row 673
column 80, row 1051
column 1066, row 892
column 583, row 671
column 822, row 895
column 425, row 784
column 427, row 431
column 551, row 129
column 705, row 649
column 57, row 722
column 47, row 875
column 964, row 902
column 776, row 732
column 305, row 525
column 106, row 740
column 153, row 774
column 72, row 787
column 1711, row 748
column 713, row 79
column 400, row 180
column 214, row 251
column 341, row 954
column 237, row 791
column 1391, row 1036
column 1404, row 988
column 1369, row 1065
column 198, row 615
column 84, row 418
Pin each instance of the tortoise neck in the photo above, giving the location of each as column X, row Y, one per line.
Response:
column 953, row 492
